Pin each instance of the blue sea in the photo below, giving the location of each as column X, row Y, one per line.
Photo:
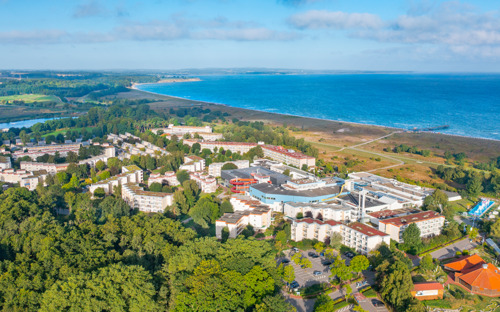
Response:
column 468, row 103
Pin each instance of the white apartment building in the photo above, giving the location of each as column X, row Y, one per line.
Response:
column 168, row 178
column 25, row 178
column 130, row 174
column 181, row 130
column 308, row 228
column 363, row 238
column 5, row 162
column 326, row 211
column 430, row 223
column 50, row 168
column 259, row 217
column 288, row 156
column 205, row 182
column 193, row 163
column 35, row 151
column 145, row 201
column 215, row 169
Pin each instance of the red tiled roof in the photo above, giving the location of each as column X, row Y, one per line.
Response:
column 417, row 217
column 365, row 229
column 465, row 263
column 484, row 276
column 282, row 150
column 427, row 286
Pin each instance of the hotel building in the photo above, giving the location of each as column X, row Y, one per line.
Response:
column 308, row 228
column 363, row 238
column 430, row 223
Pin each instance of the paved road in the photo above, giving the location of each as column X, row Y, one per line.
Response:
column 450, row 251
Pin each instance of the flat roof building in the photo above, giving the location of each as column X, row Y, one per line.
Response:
column 430, row 223
column 145, row 201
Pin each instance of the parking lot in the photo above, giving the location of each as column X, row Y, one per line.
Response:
column 306, row 277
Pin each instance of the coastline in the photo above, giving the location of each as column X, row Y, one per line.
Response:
column 402, row 130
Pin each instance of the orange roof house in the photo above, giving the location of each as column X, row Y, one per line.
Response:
column 474, row 274
column 427, row 291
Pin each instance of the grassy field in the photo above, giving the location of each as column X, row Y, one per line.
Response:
column 29, row 98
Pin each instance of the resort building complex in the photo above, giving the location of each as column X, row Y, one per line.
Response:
column 181, row 130
column 205, row 182
column 193, row 163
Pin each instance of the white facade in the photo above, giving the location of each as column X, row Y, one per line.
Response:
column 5, row 162
column 327, row 211
column 25, row 178
column 234, row 147
column 363, row 238
column 205, row 182
column 288, row 156
column 145, row 201
column 130, row 174
column 215, row 169
column 259, row 217
column 169, row 178
column 50, row 168
column 193, row 164
column 313, row 229
column 181, row 130
column 430, row 223
column 35, row 151
column 395, row 194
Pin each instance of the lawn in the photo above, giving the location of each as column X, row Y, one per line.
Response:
column 29, row 98
column 461, row 205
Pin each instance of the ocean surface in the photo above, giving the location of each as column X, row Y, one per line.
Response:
column 468, row 103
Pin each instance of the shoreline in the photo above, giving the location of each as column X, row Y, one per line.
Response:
column 314, row 118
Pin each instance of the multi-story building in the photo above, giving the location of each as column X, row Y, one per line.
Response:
column 234, row 147
column 308, row 228
column 145, row 201
column 363, row 238
column 323, row 211
column 205, row 182
column 25, row 178
column 392, row 192
column 5, row 162
column 278, row 153
column 430, row 223
column 49, row 167
column 259, row 217
column 168, row 178
column 181, row 130
column 193, row 163
column 130, row 174
column 215, row 169
column 288, row 156
column 35, row 151
column 203, row 135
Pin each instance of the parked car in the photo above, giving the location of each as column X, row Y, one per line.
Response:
column 285, row 260
column 295, row 249
column 294, row 285
column 322, row 254
column 349, row 254
column 361, row 284
column 316, row 273
column 327, row 262
column 377, row 303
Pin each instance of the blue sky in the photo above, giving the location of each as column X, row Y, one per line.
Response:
column 431, row 36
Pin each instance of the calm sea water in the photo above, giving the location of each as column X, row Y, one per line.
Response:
column 24, row 123
column 469, row 104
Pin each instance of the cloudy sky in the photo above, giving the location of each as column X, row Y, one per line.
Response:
column 427, row 35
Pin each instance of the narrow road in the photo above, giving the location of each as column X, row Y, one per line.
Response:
column 187, row 220
column 368, row 142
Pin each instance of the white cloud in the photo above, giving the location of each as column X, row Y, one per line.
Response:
column 321, row 19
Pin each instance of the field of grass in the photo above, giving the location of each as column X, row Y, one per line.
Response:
column 29, row 98
column 462, row 205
